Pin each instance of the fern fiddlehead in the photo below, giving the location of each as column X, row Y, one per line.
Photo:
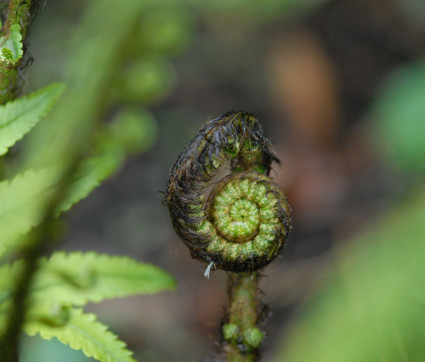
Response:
column 240, row 222
column 237, row 222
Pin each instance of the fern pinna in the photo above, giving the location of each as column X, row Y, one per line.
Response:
column 239, row 222
column 65, row 159
column 64, row 283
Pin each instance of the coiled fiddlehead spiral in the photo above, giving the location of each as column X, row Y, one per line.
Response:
column 241, row 221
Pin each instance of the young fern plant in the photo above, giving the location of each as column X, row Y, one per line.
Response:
column 64, row 282
column 238, row 223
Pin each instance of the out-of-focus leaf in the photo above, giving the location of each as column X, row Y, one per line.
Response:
column 92, row 60
column 372, row 308
column 400, row 109
column 147, row 81
column 18, row 117
column 81, row 332
column 134, row 129
column 22, row 200
column 77, row 278
column 22, row 203
column 166, row 29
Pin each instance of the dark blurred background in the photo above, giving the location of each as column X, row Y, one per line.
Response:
column 317, row 74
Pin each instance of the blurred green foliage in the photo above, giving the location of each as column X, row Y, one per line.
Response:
column 371, row 308
column 147, row 80
column 166, row 29
column 64, row 158
column 400, row 109
column 134, row 128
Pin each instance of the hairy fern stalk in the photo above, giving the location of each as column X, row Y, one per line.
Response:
column 238, row 223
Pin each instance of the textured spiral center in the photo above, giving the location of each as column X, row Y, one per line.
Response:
column 246, row 220
column 237, row 222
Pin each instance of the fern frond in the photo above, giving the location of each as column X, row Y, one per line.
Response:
column 22, row 199
column 78, row 278
column 19, row 116
column 81, row 332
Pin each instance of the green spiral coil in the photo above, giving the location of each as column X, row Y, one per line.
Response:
column 238, row 222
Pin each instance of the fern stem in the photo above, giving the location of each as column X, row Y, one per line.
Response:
column 38, row 243
column 18, row 12
column 242, row 318
column 9, row 343
column 96, row 52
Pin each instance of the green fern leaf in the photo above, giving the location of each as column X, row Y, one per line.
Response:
column 82, row 332
column 22, row 201
column 78, row 278
column 23, row 198
column 19, row 116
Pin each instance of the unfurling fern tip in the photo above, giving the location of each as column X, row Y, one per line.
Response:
column 237, row 222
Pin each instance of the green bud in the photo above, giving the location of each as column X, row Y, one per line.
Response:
column 230, row 332
column 253, row 337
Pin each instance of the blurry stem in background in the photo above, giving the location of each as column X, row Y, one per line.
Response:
column 241, row 333
column 19, row 12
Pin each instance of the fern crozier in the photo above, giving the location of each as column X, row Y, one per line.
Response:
column 241, row 222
